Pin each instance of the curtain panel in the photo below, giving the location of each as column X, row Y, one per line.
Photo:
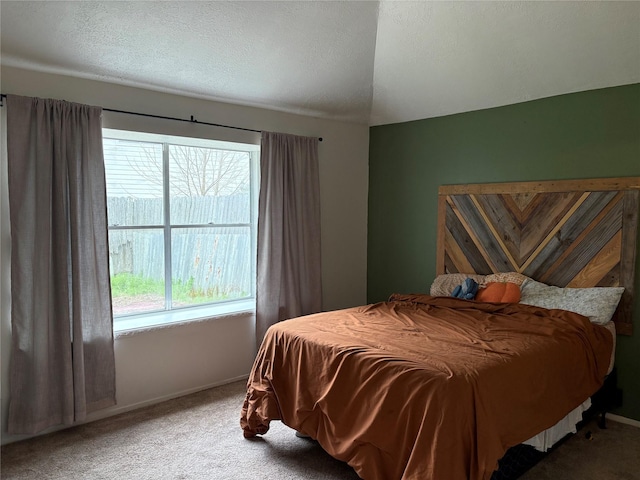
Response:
column 289, row 282
column 62, row 362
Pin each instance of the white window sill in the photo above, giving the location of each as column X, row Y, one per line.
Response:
column 136, row 323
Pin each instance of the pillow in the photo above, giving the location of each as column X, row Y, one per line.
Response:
column 511, row 277
column 597, row 303
column 444, row 284
column 499, row 292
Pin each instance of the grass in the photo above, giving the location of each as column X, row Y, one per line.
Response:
column 129, row 286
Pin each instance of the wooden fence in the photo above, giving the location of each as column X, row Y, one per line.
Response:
column 211, row 259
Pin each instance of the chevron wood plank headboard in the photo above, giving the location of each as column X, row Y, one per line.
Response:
column 569, row 233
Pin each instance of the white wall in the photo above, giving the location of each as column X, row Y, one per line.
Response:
column 163, row 363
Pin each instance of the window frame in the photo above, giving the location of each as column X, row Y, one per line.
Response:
column 176, row 314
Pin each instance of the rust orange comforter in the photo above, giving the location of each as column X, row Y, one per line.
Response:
column 425, row 388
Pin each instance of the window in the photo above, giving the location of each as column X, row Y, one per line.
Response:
column 182, row 220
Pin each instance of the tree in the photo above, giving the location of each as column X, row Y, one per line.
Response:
column 197, row 171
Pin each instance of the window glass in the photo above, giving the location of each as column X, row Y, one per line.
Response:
column 210, row 264
column 136, row 261
column 182, row 221
column 209, row 186
column 134, row 182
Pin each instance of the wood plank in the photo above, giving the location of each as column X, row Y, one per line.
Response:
column 574, row 242
column 514, row 206
column 570, row 228
column 463, row 217
column 522, row 200
column 440, row 248
column 611, row 279
column 449, row 267
column 601, row 264
column 631, row 206
column 456, row 255
column 550, row 212
column 628, row 255
column 503, row 222
column 497, row 236
column 599, row 236
column 554, row 230
column 545, row 201
column 538, row 266
column 479, row 231
column 578, row 185
column 466, row 243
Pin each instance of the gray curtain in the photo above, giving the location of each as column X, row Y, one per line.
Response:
column 289, row 280
column 62, row 362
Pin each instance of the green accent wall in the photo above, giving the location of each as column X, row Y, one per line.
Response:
column 589, row 134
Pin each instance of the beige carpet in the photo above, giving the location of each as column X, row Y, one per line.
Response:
column 198, row 437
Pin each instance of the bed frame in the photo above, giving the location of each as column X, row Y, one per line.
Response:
column 568, row 233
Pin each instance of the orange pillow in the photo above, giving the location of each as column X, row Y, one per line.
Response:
column 499, row 292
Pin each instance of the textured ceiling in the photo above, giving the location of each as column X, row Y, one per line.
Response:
column 363, row 61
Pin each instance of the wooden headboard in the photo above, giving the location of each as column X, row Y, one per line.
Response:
column 570, row 233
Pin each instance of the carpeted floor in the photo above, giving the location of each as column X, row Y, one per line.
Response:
column 199, row 437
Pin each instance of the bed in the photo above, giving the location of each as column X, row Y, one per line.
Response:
column 433, row 387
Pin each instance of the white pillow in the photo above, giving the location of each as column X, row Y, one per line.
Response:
column 597, row 303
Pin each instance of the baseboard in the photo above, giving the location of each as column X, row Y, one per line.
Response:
column 117, row 410
column 627, row 421
column 147, row 403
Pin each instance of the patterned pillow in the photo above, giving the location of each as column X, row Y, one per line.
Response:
column 506, row 277
column 597, row 303
column 444, row 284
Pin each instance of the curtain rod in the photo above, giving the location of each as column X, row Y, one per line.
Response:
column 189, row 120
